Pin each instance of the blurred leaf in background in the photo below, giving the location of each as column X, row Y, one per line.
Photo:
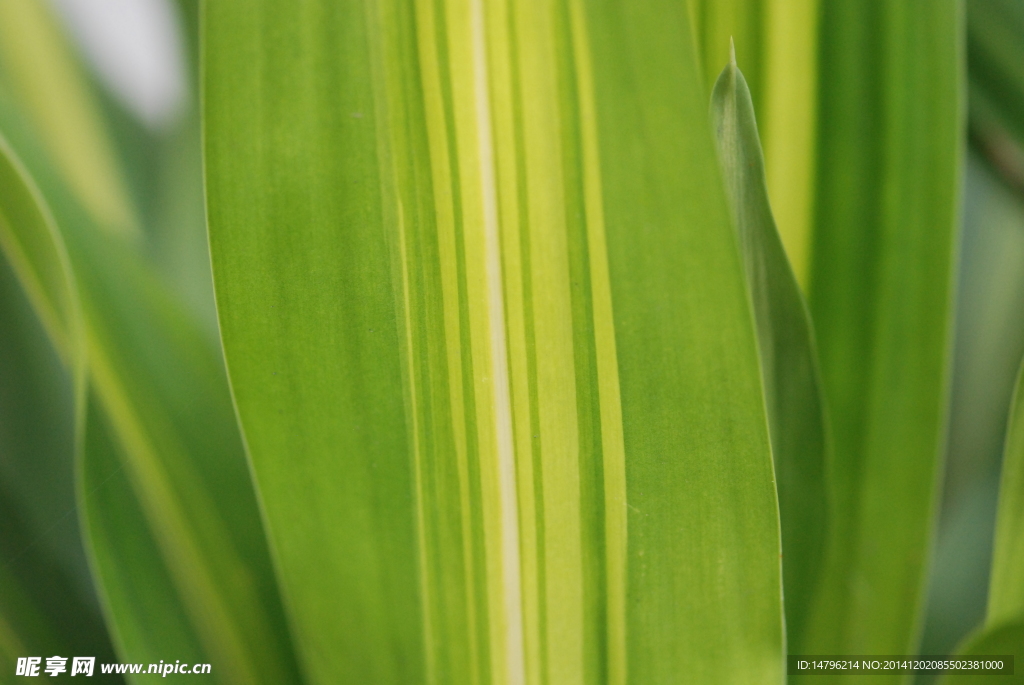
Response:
column 990, row 324
column 860, row 107
column 169, row 516
column 46, row 597
column 990, row 343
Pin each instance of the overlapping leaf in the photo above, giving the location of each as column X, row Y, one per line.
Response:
column 1003, row 630
column 46, row 603
column 776, row 42
column 889, row 154
column 792, row 384
column 161, row 449
column 1006, row 589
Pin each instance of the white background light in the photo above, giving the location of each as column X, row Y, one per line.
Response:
column 135, row 47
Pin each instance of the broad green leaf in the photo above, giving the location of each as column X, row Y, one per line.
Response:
column 999, row 639
column 889, row 155
column 160, row 411
column 306, row 309
column 1006, row 587
column 792, row 384
column 488, row 336
column 40, row 67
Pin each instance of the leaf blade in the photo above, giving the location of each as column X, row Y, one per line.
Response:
column 372, row 613
column 792, row 383
column 481, row 225
column 1003, row 638
column 182, row 453
column 663, row 206
column 47, row 603
column 880, row 294
column 1005, row 598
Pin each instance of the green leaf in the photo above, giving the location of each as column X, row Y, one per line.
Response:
column 40, row 67
column 488, row 336
column 1003, row 631
column 995, row 54
column 43, row 609
column 694, row 429
column 147, row 617
column 789, row 112
column 776, row 42
column 889, row 158
column 1006, row 587
column 792, row 384
column 733, row 26
column 46, row 600
column 301, row 268
column 160, row 410
column 38, row 258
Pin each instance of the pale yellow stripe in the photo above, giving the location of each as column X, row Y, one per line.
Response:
column 505, row 447
column 440, row 169
column 607, row 359
column 506, row 158
column 470, row 92
column 204, row 600
column 394, row 150
column 553, row 331
column 789, row 123
column 412, row 396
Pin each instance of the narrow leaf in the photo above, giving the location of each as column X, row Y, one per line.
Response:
column 998, row 639
column 776, row 43
column 1006, row 587
column 159, row 387
column 42, row 71
column 792, row 384
column 146, row 614
column 1003, row 630
column 46, row 600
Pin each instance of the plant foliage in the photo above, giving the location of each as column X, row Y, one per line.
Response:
column 517, row 376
